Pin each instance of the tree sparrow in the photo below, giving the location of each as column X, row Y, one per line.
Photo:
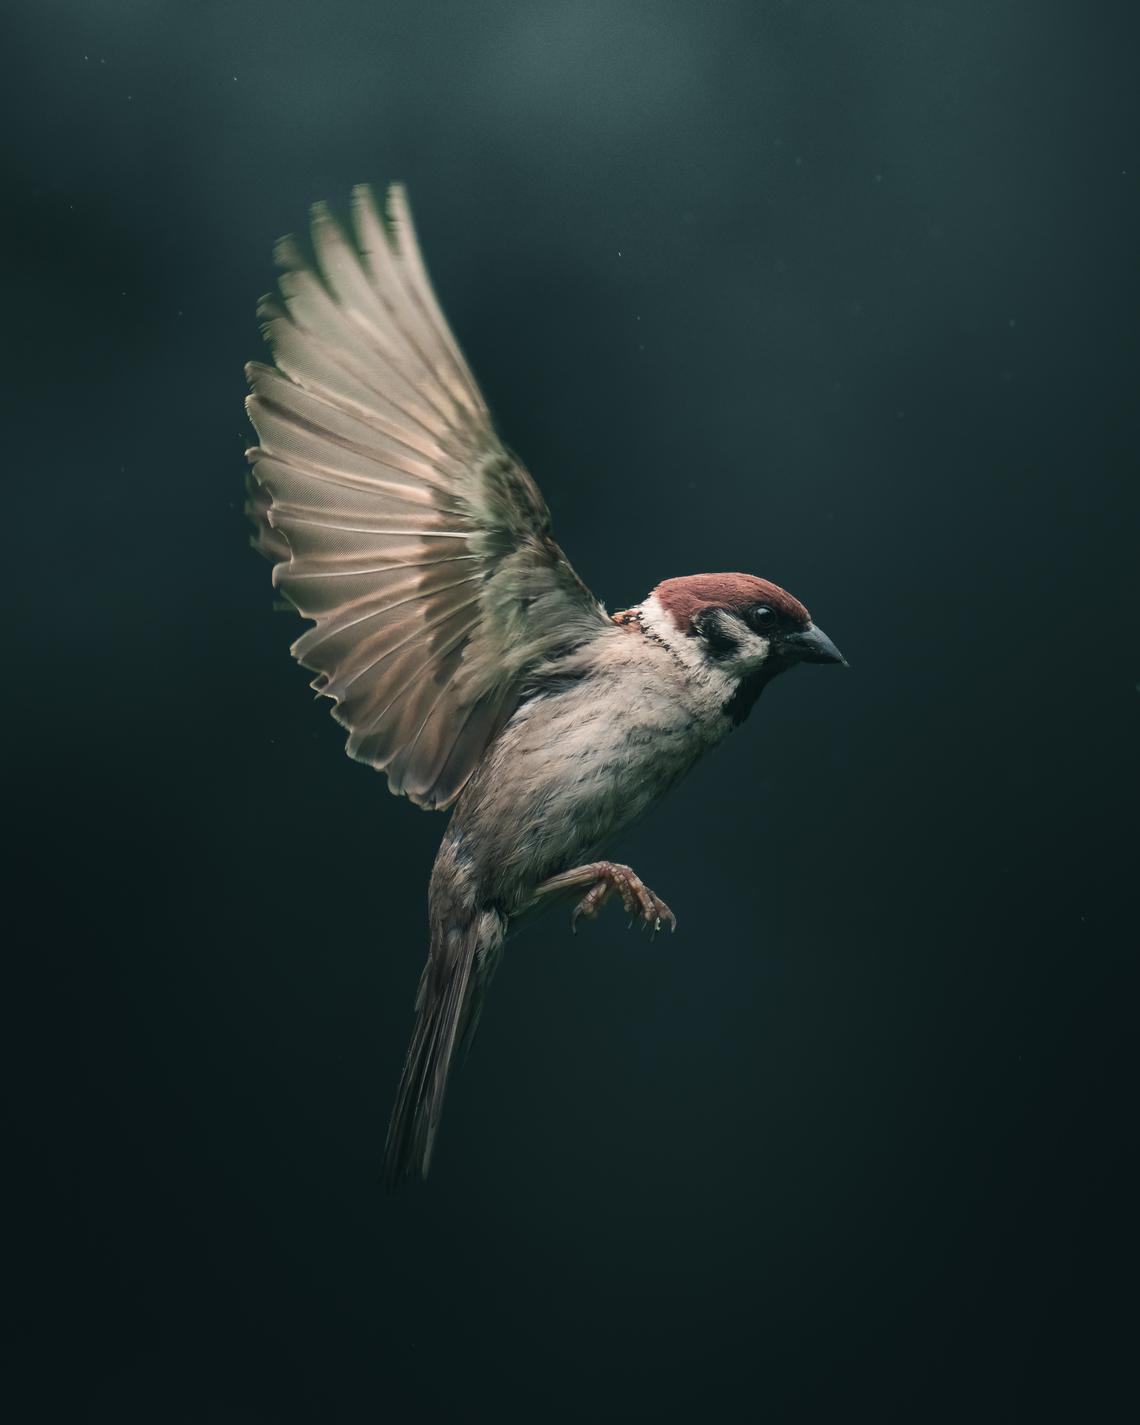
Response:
column 465, row 657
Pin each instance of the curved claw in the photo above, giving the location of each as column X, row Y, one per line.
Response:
column 639, row 902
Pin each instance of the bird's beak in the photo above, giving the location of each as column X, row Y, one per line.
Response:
column 811, row 646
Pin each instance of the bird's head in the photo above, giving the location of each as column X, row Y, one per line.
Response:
column 735, row 627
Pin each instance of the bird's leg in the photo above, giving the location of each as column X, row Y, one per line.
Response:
column 605, row 879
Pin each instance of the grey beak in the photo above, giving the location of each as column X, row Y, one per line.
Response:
column 812, row 646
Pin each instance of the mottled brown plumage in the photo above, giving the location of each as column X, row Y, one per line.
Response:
column 465, row 657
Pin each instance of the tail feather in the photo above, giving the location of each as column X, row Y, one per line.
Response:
column 451, row 986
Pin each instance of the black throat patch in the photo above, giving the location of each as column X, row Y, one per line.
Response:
column 743, row 700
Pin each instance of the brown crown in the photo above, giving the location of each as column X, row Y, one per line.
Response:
column 685, row 597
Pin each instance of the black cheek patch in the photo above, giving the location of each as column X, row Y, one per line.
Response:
column 718, row 634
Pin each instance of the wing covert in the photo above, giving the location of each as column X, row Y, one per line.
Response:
column 397, row 520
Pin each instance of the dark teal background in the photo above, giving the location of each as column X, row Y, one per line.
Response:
column 840, row 294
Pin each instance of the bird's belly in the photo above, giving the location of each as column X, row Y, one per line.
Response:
column 566, row 777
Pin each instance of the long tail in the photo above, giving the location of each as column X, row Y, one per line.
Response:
column 447, row 1007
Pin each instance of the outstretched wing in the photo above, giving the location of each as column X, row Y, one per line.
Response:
column 397, row 520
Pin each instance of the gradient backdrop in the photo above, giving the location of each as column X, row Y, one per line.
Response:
column 842, row 294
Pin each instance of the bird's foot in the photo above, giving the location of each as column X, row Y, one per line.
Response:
column 611, row 878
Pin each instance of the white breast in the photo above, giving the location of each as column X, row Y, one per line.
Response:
column 577, row 764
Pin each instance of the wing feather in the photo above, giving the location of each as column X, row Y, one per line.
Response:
column 395, row 518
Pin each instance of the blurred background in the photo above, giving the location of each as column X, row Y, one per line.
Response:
column 840, row 294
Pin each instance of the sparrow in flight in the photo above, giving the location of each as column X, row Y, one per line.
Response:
column 461, row 651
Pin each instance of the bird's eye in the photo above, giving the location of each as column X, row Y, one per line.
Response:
column 763, row 617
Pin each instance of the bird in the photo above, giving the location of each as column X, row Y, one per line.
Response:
column 465, row 657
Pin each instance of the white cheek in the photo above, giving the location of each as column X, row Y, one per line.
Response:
column 753, row 653
column 717, row 684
